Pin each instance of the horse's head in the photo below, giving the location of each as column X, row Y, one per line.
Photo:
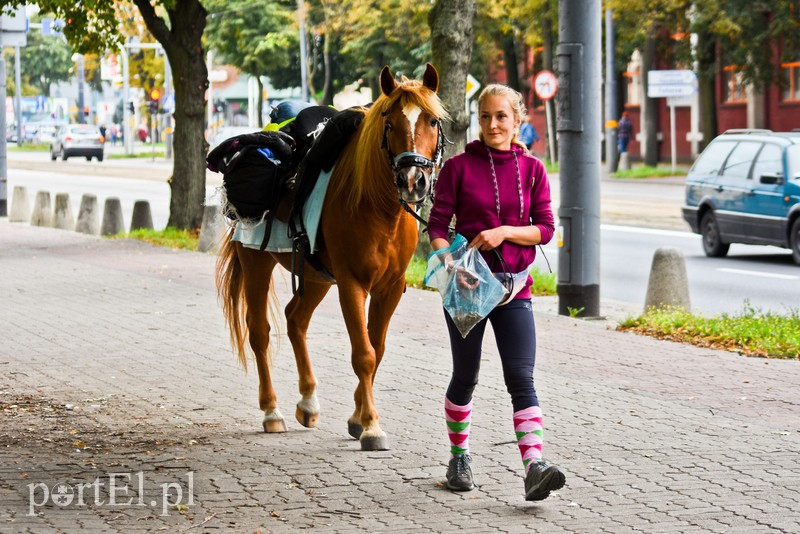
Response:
column 412, row 132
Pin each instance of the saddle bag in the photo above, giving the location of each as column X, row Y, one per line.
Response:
column 255, row 169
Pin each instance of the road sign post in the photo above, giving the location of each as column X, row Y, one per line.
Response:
column 671, row 84
column 545, row 86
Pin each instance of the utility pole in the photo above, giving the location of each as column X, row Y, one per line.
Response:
column 611, row 94
column 579, row 103
column 81, row 100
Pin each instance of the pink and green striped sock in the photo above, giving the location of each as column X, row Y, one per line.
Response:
column 458, row 420
column 528, row 427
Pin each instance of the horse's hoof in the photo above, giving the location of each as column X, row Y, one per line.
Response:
column 308, row 420
column 355, row 430
column 274, row 422
column 374, row 443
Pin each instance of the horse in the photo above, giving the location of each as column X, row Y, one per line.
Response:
column 368, row 236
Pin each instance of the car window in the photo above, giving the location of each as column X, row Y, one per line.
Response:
column 793, row 159
column 713, row 157
column 741, row 159
column 769, row 161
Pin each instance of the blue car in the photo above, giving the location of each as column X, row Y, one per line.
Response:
column 745, row 188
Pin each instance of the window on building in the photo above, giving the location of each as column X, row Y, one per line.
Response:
column 791, row 72
column 733, row 90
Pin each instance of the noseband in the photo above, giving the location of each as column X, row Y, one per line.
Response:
column 415, row 159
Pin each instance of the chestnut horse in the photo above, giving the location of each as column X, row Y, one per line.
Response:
column 367, row 240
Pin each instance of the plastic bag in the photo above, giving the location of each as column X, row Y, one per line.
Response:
column 468, row 287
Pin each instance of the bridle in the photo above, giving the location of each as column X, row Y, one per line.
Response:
column 415, row 159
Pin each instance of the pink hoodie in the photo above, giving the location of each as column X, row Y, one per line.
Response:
column 465, row 189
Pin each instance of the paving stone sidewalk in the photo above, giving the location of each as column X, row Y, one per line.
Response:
column 117, row 386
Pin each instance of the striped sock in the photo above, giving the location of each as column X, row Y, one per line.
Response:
column 528, row 427
column 458, row 421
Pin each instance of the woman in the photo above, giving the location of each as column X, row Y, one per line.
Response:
column 500, row 197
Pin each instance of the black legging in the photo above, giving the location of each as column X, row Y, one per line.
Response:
column 515, row 334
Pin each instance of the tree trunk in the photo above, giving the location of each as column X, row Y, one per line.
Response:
column 327, row 89
column 451, row 47
column 650, row 133
column 182, row 41
column 512, row 63
column 706, row 77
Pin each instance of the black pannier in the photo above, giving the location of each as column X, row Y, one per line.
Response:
column 255, row 169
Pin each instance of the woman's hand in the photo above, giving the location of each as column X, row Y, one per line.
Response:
column 489, row 239
column 466, row 279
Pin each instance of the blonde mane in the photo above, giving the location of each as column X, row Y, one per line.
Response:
column 363, row 174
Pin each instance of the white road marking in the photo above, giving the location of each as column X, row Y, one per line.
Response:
column 759, row 273
column 649, row 231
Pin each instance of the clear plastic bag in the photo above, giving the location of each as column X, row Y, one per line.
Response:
column 468, row 287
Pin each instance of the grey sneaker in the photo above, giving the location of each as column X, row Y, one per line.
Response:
column 541, row 480
column 459, row 473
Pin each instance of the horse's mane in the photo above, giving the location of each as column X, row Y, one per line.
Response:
column 363, row 173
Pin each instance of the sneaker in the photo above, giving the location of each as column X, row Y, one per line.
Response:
column 541, row 480
column 459, row 473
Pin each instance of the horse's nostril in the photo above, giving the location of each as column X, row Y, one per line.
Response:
column 400, row 180
column 422, row 183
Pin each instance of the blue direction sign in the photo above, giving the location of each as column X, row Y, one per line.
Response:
column 666, row 83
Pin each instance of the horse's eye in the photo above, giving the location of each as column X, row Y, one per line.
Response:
column 433, row 123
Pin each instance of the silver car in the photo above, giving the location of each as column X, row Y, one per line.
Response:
column 77, row 140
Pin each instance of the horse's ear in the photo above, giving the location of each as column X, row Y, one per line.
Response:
column 388, row 82
column 431, row 78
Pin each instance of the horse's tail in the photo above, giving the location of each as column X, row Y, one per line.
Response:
column 230, row 292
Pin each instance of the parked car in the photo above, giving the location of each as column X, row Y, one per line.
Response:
column 745, row 188
column 77, row 140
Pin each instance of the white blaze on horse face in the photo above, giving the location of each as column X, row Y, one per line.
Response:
column 412, row 113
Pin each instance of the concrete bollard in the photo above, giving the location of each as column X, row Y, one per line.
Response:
column 20, row 207
column 113, row 223
column 624, row 162
column 141, row 218
column 668, row 284
column 42, row 211
column 88, row 218
column 211, row 229
column 62, row 214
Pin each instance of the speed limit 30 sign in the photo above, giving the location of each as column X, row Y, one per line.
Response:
column 545, row 85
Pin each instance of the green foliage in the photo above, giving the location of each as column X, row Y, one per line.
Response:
column 544, row 284
column 645, row 171
column 169, row 237
column 46, row 59
column 751, row 332
column 257, row 38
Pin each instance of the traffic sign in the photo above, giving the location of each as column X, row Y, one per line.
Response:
column 545, row 85
column 669, row 83
column 472, row 86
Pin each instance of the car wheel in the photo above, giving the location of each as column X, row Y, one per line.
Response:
column 100, row 158
column 794, row 241
column 88, row 158
column 712, row 241
column 53, row 155
column 63, row 154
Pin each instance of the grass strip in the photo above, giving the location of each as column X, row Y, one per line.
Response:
column 751, row 332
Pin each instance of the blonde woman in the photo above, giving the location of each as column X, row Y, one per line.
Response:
column 500, row 197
